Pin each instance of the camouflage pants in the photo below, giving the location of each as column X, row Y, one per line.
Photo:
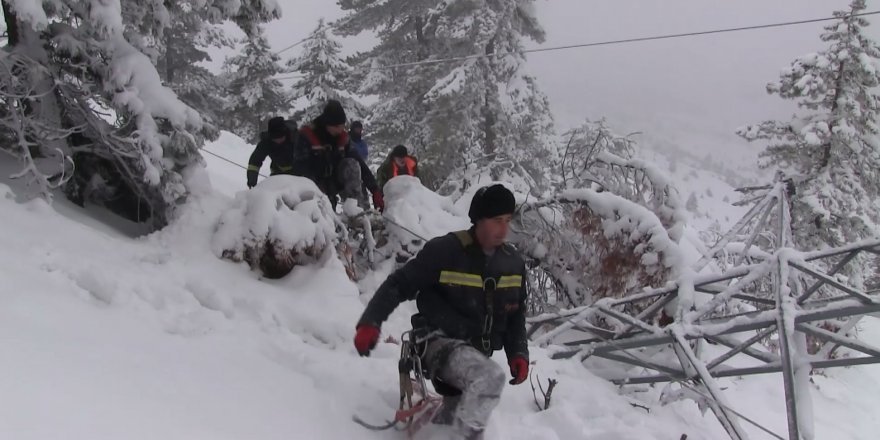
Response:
column 480, row 380
column 350, row 182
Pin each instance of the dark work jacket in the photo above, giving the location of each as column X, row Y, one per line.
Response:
column 321, row 164
column 447, row 280
column 280, row 154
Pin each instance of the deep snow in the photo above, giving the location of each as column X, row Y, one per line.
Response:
column 106, row 336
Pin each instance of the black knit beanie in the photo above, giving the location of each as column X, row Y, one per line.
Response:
column 277, row 128
column 491, row 201
column 333, row 113
column 399, row 151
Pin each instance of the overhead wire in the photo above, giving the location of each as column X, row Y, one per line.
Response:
column 283, row 78
column 228, row 160
column 621, row 41
column 602, row 43
column 307, row 38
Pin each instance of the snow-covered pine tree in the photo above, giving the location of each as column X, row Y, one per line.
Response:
column 482, row 111
column 85, row 58
column 254, row 92
column 325, row 77
column 182, row 50
column 832, row 147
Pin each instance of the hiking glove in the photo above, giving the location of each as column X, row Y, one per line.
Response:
column 519, row 369
column 366, row 339
column 378, row 201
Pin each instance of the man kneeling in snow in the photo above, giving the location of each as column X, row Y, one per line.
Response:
column 468, row 285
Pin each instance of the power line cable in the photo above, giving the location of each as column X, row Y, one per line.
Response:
column 303, row 40
column 600, row 43
column 283, row 78
column 309, row 37
column 623, row 41
column 228, row 160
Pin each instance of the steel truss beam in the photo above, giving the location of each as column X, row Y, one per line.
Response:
column 747, row 371
column 718, row 327
column 790, row 313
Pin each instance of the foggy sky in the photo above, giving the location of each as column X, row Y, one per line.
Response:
column 692, row 91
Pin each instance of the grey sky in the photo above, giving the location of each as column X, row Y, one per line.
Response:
column 692, row 91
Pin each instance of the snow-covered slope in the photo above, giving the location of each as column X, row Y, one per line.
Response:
column 227, row 158
column 107, row 336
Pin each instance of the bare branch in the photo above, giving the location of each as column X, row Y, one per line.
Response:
column 547, row 394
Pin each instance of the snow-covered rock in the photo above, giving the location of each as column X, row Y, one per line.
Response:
column 283, row 222
column 417, row 213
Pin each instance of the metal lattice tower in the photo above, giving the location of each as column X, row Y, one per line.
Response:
column 771, row 292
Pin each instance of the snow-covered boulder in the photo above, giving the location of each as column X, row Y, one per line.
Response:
column 414, row 212
column 283, row 222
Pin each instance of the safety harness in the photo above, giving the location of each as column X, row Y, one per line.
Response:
column 489, row 286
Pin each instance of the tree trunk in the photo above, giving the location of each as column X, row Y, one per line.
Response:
column 826, row 149
column 169, row 58
column 489, row 117
column 838, row 86
column 11, row 18
column 419, row 24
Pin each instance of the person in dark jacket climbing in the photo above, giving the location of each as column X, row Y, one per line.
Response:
column 469, row 289
column 275, row 144
column 358, row 143
column 398, row 163
column 323, row 153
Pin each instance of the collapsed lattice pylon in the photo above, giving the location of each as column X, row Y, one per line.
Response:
column 769, row 289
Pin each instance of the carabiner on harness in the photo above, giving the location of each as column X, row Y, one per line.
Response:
column 489, row 285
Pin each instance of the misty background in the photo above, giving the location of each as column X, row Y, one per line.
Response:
column 689, row 93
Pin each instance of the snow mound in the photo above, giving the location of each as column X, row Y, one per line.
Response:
column 229, row 177
column 283, row 222
column 423, row 213
column 6, row 192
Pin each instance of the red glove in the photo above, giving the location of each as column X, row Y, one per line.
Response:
column 366, row 339
column 378, row 201
column 519, row 369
